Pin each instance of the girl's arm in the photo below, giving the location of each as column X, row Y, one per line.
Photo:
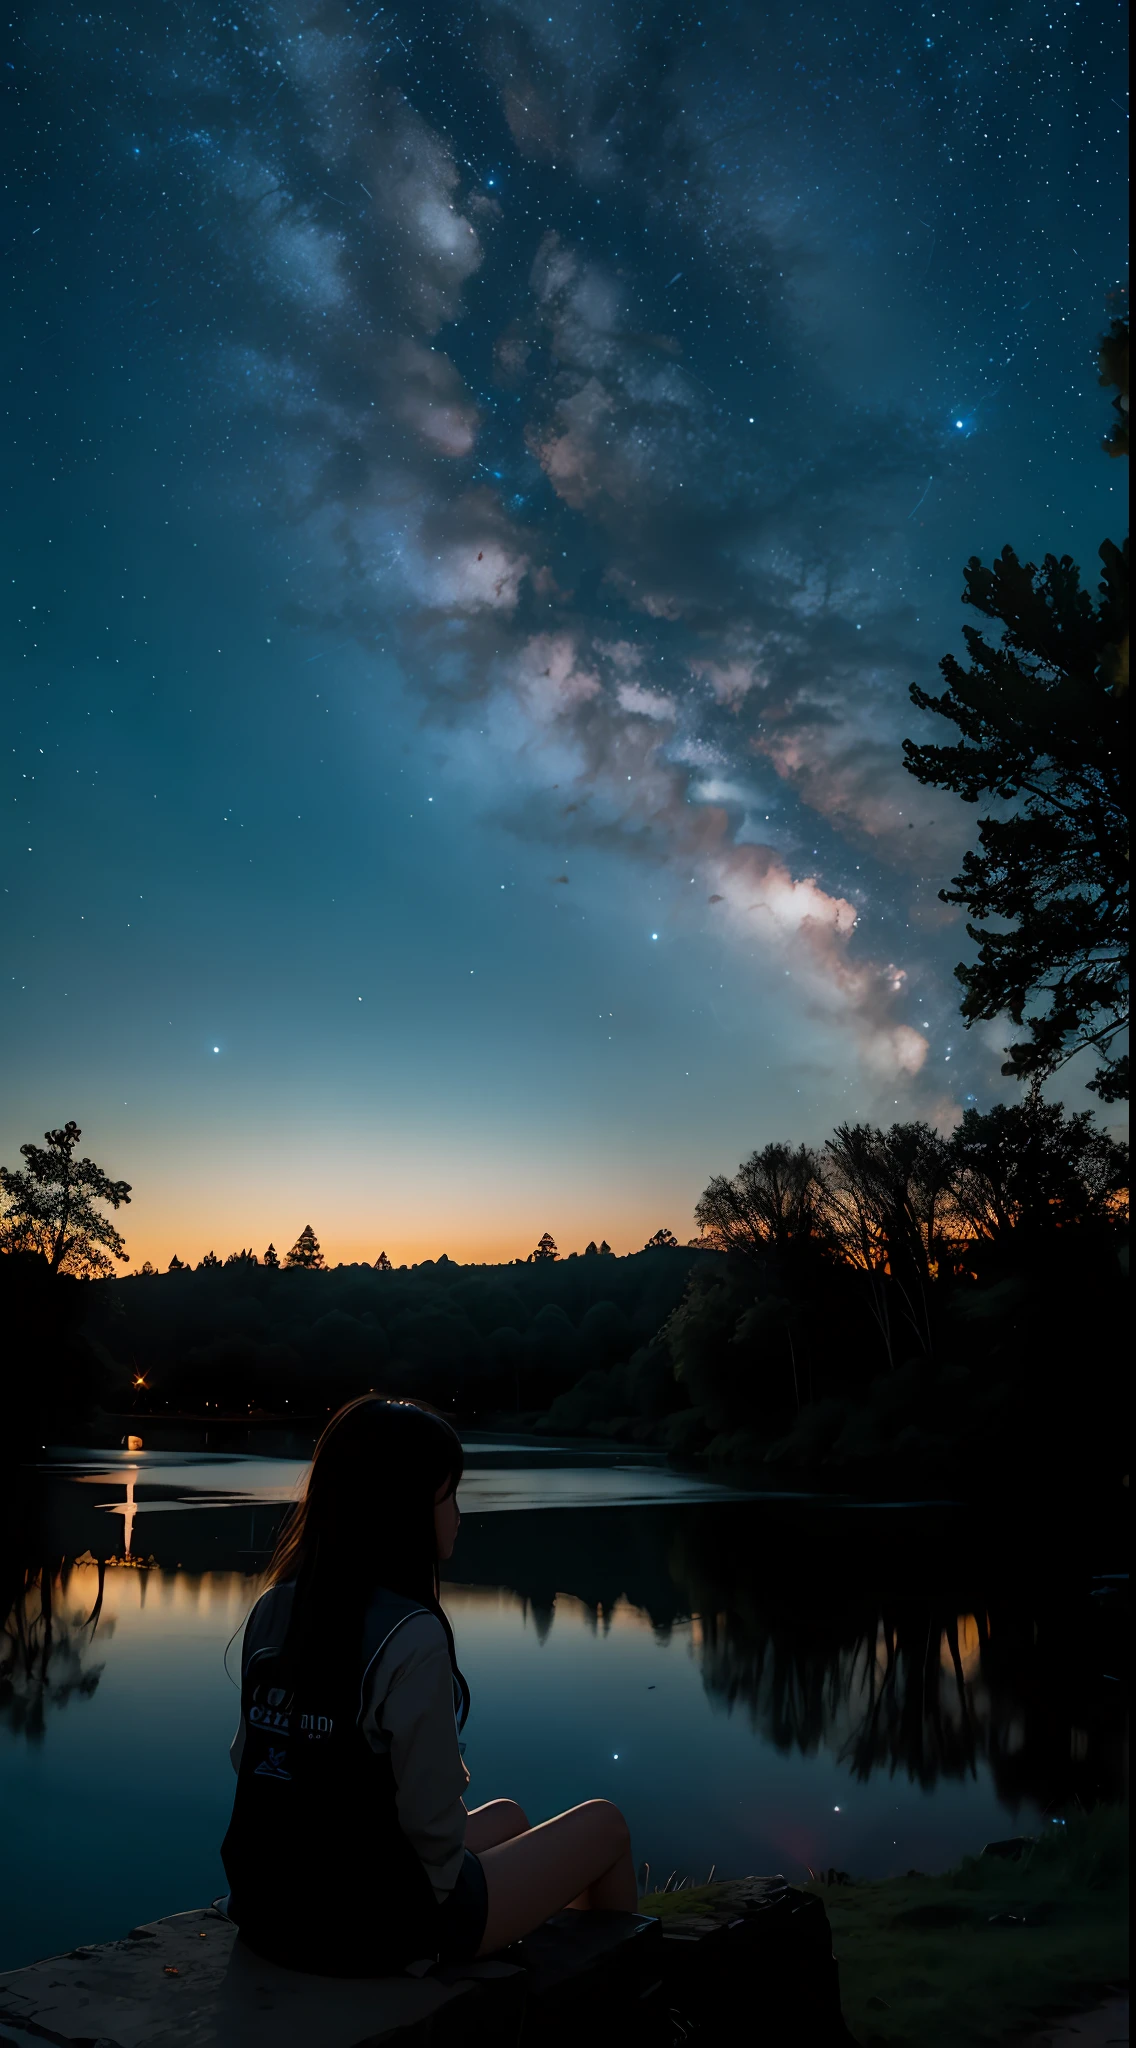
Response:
column 410, row 1712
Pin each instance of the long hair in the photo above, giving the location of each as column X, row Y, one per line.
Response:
column 366, row 1520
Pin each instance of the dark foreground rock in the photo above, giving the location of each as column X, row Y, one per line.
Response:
column 755, row 1959
column 187, row 1982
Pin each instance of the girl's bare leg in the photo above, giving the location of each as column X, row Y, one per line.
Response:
column 500, row 1820
column 581, row 1858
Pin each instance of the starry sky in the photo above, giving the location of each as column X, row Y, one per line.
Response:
column 479, row 485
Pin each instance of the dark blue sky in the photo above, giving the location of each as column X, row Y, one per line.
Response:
column 480, row 484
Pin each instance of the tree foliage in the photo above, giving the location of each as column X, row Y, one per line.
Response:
column 661, row 1237
column 1043, row 718
column 777, row 1195
column 907, row 1210
column 306, row 1252
column 1032, row 1169
column 49, row 1207
column 546, row 1249
column 1044, row 723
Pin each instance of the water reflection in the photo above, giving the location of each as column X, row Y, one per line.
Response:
column 46, row 1650
column 955, row 1662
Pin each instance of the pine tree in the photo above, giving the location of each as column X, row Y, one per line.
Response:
column 272, row 1257
column 208, row 1262
column 661, row 1237
column 306, row 1252
column 591, row 1251
column 606, row 1250
column 383, row 1264
column 175, row 1265
column 1044, row 724
column 546, row 1249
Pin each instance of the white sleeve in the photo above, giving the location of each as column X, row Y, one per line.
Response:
column 409, row 1712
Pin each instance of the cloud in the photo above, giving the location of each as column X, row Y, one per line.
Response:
column 549, row 679
column 646, row 703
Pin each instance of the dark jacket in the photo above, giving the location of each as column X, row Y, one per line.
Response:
column 349, row 1784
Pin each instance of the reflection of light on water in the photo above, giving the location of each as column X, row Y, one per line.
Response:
column 128, row 1511
column 128, row 1508
column 969, row 1648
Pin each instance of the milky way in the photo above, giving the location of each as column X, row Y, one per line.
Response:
column 631, row 386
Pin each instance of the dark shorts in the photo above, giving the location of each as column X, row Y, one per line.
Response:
column 462, row 1917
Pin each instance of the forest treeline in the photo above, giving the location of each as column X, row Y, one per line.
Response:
column 953, row 1303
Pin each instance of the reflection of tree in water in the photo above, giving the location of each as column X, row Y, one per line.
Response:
column 964, row 1650
column 903, row 1678
column 885, row 1691
column 44, row 1645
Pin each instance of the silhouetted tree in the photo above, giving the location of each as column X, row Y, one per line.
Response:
column 777, row 1195
column 591, row 1251
column 383, row 1264
column 243, row 1258
column 306, row 1252
column 1044, row 724
column 208, row 1262
column 147, row 1268
column 888, row 1206
column 660, row 1237
column 606, row 1250
column 272, row 1258
column 546, row 1249
column 1029, row 1167
column 175, row 1265
column 49, row 1207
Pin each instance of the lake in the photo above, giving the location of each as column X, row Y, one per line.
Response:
column 763, row 1683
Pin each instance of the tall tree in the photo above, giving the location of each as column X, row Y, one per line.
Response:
column 546, row 1249
column 272, row 1257
column 306, row 1252
column 383, row 1264
column 888, row 1205
column 1044, row 723
column 776, row 1196
column 661, row 1237
column 176, row 1265
column 49, row 1207
column 1026, row 1166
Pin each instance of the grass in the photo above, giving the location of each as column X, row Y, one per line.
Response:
column 965, row 1959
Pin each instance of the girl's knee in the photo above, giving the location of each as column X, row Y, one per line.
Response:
column 516, row 1816
column 608, row 1816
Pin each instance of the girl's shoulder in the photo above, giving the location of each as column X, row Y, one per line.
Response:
column 401, row 1629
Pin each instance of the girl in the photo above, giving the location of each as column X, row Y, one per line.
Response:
column 350, row 1851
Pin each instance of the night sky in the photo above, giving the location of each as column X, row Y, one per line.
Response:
column 479, row 485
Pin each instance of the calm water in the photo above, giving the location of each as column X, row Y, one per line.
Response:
column 762, row 1683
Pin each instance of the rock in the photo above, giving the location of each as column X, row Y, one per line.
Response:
column 187, row 1982
column 1012, row 1847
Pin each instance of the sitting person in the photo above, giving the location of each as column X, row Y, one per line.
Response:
column 350, row 1850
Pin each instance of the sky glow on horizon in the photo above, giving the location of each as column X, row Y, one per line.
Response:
column 483, row 486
